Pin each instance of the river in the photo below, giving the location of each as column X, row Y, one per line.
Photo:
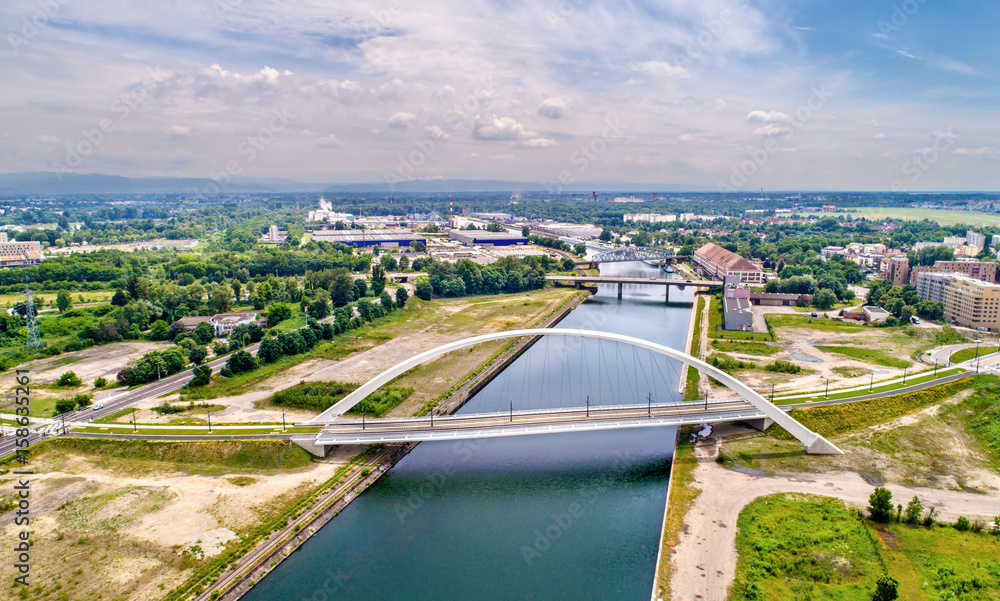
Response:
column 567, row 516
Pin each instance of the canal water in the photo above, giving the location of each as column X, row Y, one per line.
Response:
column 563, row 516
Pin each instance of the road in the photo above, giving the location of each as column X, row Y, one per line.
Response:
column 117, row 402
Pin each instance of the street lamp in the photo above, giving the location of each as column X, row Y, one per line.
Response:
column 977, row 355
column 826, row 395
column 244, row 341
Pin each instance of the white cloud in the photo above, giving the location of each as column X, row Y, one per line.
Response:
column 493, row 127
column 44, row 139
column 553, row 108
column 908, row 55
column 538, row 143
column 179, row 130
column 435, row 132
column 402, row 120
column 767, row 117
column 772, row 130
column 330, row 141
column 976, row 152
column 685, row 138
column 660, row 68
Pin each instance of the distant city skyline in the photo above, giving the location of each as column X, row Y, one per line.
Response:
column 713, row 94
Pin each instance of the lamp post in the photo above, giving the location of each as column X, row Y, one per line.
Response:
column 134, row 427
column 872, row 383
column 826, row 394
column 977, row 355
column 244, row 341
column 904, row 376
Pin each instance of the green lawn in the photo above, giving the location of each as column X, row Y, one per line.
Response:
column 803, row 547
column 716, row 320
column 867, row 355
column 785, row 320
column 971, row 353
column 747, row 348
column 810, row 547
column 691, row 384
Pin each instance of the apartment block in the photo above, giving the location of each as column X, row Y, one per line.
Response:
column 931, row 285
column 898, row 271
column 972, row 304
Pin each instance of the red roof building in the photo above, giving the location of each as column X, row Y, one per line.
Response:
column 715, row 261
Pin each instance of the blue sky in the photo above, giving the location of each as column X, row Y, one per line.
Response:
column 724, row 94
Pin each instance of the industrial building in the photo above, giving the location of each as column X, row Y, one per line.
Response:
column 367, row 238
column 720, row 263
column 484, row 238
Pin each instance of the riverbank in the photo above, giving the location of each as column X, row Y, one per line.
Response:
column 236, row 582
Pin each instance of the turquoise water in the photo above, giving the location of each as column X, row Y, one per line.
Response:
column 568, row 516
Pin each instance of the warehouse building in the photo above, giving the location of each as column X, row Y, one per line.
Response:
column 368, row 238
column 484, row 238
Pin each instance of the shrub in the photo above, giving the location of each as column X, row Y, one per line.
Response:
column 100, row 382
column 241, row 362
column 880, row 505
column 197, row 355
column 930, row 516
column 913, row 510
column 68, row 378
column 167, row 409
column 201, row 376
column 963, row 524
column 784, row 367
column 886, row 589
column 220, row 348
column 729, row 364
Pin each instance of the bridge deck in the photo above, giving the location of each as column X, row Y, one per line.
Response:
column 515, row 423
column 569, row 279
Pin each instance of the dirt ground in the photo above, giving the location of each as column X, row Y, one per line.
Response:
column 704, row 560
column 130, row 549
column 450, row 321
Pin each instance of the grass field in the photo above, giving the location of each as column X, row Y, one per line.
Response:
column 747, row 348
column 785, row 320
column 971, row 353
column 867, row 355
column 715, row 322
column 198, row 457
column 803, row 547
column 941, row 216
column 925, row 376
column 834, row 420
column 811, row 547
column 693, row 375
column 682, row 496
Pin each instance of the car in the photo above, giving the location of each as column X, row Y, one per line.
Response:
column 98, row 407
column 814, row 315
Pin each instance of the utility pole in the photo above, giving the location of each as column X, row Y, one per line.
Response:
column 826, row 395
column 134, row 427
column 904, row 376
column 649, row 404
column 588, row 405
column 872, row 383
column 210, row 422
column 512, row 411
column 282, row 419
column 772, row 392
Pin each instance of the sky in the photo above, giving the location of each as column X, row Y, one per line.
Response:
column 718, row 94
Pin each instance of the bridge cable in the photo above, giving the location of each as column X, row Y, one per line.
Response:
column 623, row 375
column 586, row 371
column 646, row 377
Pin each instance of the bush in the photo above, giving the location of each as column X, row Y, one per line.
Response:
column 220, row 348
column 197, row 355
column 278, row 313
column 913, row 510
column 68, row 378
column 316, row 396
column 729, row 364
column 100, row 382
column 168, row 409
column 880, row 505
column 886, row 589
column 201, row 376
column 784, row 367
column 963, row 524
column 241, row 362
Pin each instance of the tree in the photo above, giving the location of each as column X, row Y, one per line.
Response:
column 418, row 246
column 220, row 299
column 159, row 330
column 880, row 505
column 389, row 262
column 197, row 355
column 423, row 289
column 241, row 362
column 136, row 286
column 914, row 509
column 404, row 263
column 64, row 301
column 360, row 288
column 68, row 378
column 64, row 406
column 341, row 287
column 824, row 299
column 580, row 248
column 204, row 333
column 401, row 297
column 270, row 350
column 886, row 589
column 320, row 307
column 605, row 235
column 378, row 279
column 366, row 309
column 278, row 313
column 201, row 376
column 119, row 299
column 525, row 231
column 386, row 301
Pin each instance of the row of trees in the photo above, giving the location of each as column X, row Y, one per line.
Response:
column 902, row 301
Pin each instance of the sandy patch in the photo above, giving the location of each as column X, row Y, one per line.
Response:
column 212, row 542
column 704, row 560
column 92, row 363
column 127, row 569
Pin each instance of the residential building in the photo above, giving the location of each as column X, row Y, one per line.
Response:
column 972, row 304
column 975, row 239
column 954, row 241
column 650, row 217
column 978, row 270
column 188, row 324
column 225, row 322
column 994, row 241
column 829, row 251
column 19, row 249
column 719, row 263
column 931, row 285
column 274, row 235
column 898, row 271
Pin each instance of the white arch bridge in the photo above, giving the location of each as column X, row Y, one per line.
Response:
column 750, row 406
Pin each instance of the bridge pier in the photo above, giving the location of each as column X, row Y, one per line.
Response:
column 761, row 424
column 620, row 286
column 667, row 295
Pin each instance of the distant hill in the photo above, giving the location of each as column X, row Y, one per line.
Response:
column 47, row 183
